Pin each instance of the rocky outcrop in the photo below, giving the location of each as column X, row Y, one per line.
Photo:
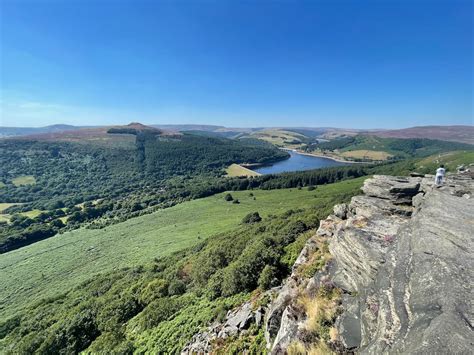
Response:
column 411, row 270
column 236, row 322
column 403, row 257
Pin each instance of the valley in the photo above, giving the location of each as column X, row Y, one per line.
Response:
column 236, row 177
column 138, row 238
column 74, row 257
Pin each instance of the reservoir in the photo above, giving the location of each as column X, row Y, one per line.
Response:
column 298, row 162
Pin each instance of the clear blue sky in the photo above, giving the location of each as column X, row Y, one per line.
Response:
column 359, row 63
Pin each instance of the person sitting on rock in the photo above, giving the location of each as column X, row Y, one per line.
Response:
column 440, row 175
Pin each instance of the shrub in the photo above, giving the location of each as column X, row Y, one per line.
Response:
column 252, row 217
column 267, row 277
column 176, row 287
column 155, row 289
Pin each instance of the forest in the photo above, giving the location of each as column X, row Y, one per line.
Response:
column 397, row 148
column 87, row 181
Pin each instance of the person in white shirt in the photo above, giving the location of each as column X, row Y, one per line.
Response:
column 440, row 175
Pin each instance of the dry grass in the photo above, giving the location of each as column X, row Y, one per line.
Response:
column 366, row 154
column 321, row 348
column 318, row 310
column 4, row 206
column 238, row 170
column 333, row 334
column 298, row 348
column 24, row 180
column 280, row 137
column 4, row 217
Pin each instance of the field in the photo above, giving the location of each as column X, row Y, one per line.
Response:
column 3, row 207
column 54, row 265
column 366, row 154
column 280, row 138
column 239, row 170
column 6, row 217
column 24, row 180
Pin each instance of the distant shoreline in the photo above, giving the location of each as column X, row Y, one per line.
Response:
column 325, row 156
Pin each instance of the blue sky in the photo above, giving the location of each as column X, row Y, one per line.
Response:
column 360, row 64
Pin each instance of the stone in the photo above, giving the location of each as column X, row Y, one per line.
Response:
column 341, row 211
column 259, row 317
column 403, row 255
column 241, row 318
column 287, row 332
column 422, row 297
column 417, row 200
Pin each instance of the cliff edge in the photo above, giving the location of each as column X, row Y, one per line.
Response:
column 402, row 260
column 390, row 272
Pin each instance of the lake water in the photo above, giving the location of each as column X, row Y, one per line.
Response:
column 298, row 162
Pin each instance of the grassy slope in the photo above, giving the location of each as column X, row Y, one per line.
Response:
column 238, row 170
column 368, row 143
column 279, row 137
column 3, row 206
column 24, row 180
column 52, row 266
column 451, row 160
column 367, row 154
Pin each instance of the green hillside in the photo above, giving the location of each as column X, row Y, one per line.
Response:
column 281, row 137
column 54, row 176
column 50, row 267
column 451, row 161
column 372, row 148
column 162, row 298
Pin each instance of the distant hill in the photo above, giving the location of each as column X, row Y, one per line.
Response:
column 188, row 127
column 463, row 134
column 25, row 131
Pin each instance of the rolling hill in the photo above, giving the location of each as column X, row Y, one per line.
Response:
column 463, row 134
column 24, row 131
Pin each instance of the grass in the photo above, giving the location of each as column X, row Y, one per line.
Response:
column 366, row 154
column 52, row 266
column 32, row 213
column 238, row 170
column 6, row 217
column 280, row 137
column 3, row 206
column 451, row 161
column 24, row 180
